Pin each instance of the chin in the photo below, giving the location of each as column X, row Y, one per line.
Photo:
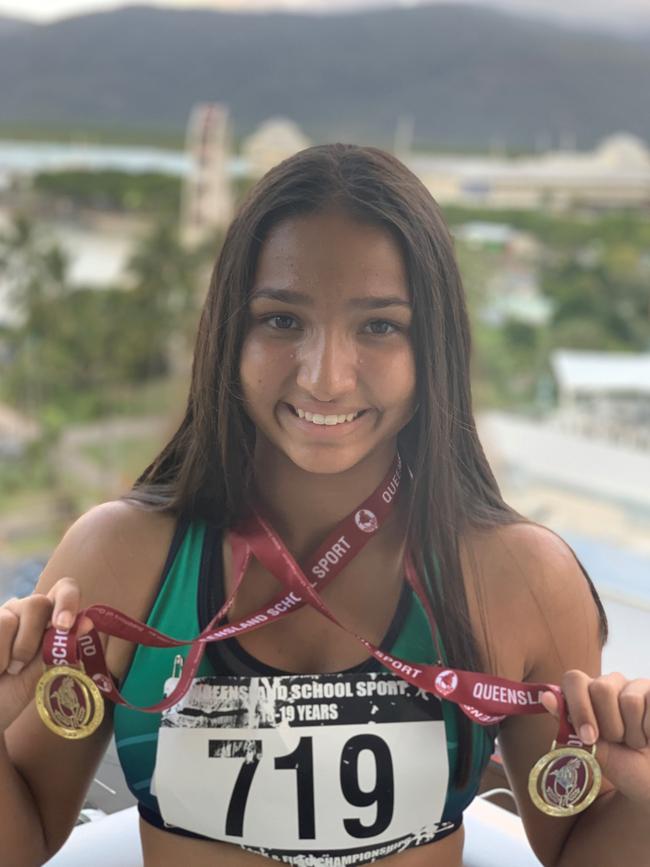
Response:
column 327, row 462
column 333, row 460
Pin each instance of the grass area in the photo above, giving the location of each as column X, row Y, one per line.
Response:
column 34, row 488
column 38, row 544
column 124, row 459
column 52, row 508
column 159, row 397
column 32, row 522
column 24, row 478
column 24, row 501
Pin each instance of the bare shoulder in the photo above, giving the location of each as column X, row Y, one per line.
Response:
column 114, row 551
column 526, row 591
column 520, row 560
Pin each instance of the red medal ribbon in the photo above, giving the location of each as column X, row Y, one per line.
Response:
column 324, row 564
column 483, row 698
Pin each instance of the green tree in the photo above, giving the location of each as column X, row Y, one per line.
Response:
column 611, row 299
column 162, row 302
column 74, row 348
column 146, row 192
column 34, row 269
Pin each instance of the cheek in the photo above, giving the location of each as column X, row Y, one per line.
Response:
column 405, row 383
column 263, row 369
column 392, row 376
column 408, row 370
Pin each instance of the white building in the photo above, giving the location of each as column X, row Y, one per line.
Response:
column 480, row 234
column 604, row 394
column 275, row 140
column 615, row 174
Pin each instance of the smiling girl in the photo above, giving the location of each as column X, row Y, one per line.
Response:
column 325, row 510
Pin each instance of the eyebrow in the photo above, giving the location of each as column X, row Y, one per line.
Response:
column 290, row 296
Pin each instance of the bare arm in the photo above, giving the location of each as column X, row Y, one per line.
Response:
column 44, row 782
column 613, row 831
column 43, row 777
column 20, row 827
column 560, row 640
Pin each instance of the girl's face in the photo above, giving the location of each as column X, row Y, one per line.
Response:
column 327, row 366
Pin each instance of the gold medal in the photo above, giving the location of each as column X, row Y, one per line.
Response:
column 565, row 781
column 69, row 702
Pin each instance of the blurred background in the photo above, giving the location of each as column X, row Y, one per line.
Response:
column 129, row 134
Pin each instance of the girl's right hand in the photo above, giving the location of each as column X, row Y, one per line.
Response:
column 22, row 626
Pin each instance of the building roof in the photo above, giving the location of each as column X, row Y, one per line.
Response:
column 618, row 159
column 478, row 232
column 276, row 132
column 602, row 371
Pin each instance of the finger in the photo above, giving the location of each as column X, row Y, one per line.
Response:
column 34, row 616
column 604, row 692
column 66, row 596
column 575, row 686
column 8, row 630
column 85, row 625
column 632, row 703
column 550, row 703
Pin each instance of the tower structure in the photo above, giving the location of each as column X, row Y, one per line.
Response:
column 207, row 205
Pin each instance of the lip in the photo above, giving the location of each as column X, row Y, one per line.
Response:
column 323, row 431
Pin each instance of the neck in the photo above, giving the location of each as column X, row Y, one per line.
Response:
column 303, row 507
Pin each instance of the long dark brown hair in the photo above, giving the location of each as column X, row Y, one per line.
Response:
column 205, row 469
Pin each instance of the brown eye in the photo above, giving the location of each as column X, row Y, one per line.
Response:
column 281, row 322
column 381, row 327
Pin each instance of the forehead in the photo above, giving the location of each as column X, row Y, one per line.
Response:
column 331, row 249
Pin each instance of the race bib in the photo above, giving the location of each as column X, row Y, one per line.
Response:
column 332, row 765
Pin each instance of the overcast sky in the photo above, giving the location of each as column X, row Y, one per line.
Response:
column 621, row 13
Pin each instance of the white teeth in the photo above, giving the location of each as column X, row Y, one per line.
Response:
column 317, row 418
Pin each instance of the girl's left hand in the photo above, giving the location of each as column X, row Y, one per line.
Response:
column 614, row 713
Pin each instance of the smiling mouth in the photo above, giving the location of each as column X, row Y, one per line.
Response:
column 329, row 420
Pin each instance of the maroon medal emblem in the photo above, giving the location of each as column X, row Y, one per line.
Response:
column 366, row 521
column 68, row 702
column 103, row 682
column 446, row 682
column 565, row 781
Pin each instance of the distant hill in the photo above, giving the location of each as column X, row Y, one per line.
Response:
column 469, row 77
column 11, row 25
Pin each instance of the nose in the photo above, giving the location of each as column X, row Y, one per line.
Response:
column 327, row 366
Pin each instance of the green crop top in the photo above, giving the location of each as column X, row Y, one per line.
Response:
column 191, row 592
